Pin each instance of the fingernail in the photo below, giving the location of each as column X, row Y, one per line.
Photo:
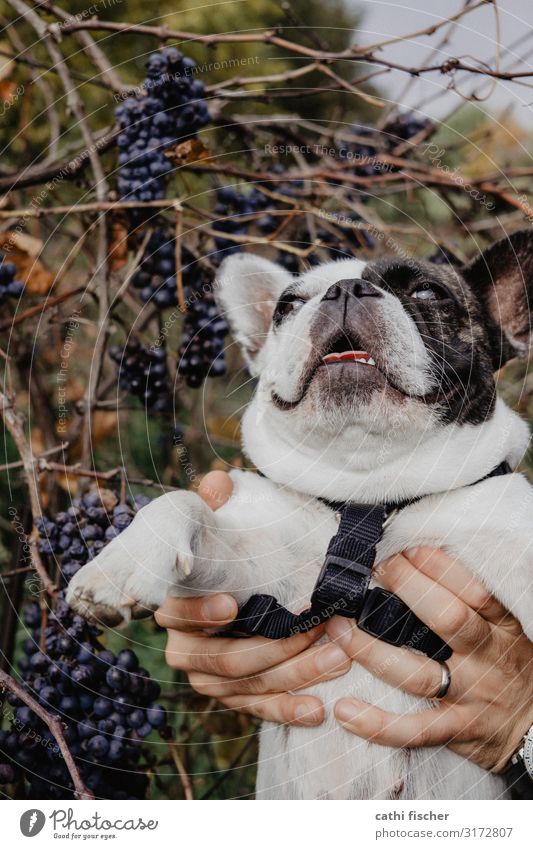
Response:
column 219, row 607
column 346, row 711
column 330, row 658
column 411, row 553
column 308, row 714
column 340, row 629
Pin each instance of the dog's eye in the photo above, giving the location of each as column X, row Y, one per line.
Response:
column 431, row 293
column 286, row 306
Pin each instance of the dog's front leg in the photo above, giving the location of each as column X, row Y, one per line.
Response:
column 169, row 549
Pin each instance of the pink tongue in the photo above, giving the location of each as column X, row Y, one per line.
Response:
column 353, row 355
column 346, row 356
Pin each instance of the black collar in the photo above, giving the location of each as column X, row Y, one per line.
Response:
column 337, row 506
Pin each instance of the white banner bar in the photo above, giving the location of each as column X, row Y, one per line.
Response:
column 262, row 825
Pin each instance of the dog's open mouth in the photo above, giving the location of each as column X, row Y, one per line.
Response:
column 346, row 350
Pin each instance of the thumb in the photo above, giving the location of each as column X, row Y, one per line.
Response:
column 215, row 489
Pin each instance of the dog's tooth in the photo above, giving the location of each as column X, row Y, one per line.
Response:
column 371, row 362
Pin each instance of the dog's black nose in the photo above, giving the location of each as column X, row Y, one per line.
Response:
column 357, row 288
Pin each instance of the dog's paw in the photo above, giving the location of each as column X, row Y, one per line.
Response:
column 135, row 572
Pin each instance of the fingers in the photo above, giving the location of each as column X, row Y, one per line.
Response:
column 399, row 667
column 428, row 728
column 281, row 708
column 453, row 620
column 451, row 574
column 232, row 658
column 193, row 614
column 318, row 663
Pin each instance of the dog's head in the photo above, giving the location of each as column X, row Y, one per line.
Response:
column 391, row 341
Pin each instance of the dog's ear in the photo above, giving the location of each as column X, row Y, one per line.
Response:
column 502, row 279
column 248, row 288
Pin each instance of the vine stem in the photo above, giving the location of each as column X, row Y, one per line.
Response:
column 13, row 423
column 182, row 772
column 179, row 269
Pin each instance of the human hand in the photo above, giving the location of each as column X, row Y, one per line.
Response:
column 489, row 705
column 252, row 675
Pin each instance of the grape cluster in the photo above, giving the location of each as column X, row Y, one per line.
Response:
column 107, row 703
column 360, row 150
column 156, row 275
column 202, row 344
column 231, row 207
column 201, row 352
column 172, row 109
column 10, row 287
column 143, row 372
column 402, row 128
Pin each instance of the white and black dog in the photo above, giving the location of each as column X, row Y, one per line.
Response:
column 375, row 384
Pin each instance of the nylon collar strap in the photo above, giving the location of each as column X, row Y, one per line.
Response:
column 342, row 588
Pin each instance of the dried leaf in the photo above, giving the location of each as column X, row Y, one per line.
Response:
column 192, row 150
column 108, row 498
column 118, row 246
column 7, row 89
column 26, row 244
column 104, row 423
column 23, row 250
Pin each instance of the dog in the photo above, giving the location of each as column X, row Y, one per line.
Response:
column 375, row 383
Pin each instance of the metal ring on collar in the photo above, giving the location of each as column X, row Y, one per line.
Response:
column 445, row 681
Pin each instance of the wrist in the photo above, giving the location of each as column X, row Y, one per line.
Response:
column 522, row 731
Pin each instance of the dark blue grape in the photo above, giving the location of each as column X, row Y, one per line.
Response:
column 87, row 728
column 136, row 718
column 145, row 730
column 106, row 726
column 115, row 678
column 97, row 746
column 143, row 372
column 102, row 707
column 156, row 716
column 115, row 751
column 126, row 659
column 49, row 696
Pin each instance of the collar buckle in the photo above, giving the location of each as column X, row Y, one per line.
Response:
column 334, row 575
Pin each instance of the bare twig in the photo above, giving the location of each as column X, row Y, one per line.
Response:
column 180, row 767
column 14, row 425
column 98, row 56
column 18, row 464
column 39, row 309
column 179, row 269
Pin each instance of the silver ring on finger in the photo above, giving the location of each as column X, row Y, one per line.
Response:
column 445, row 680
